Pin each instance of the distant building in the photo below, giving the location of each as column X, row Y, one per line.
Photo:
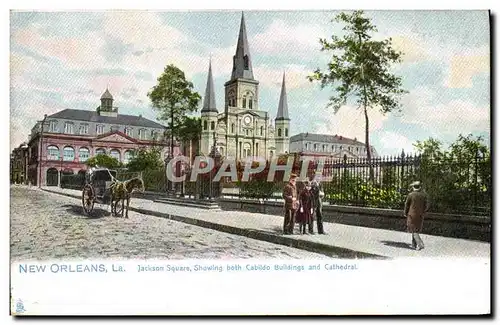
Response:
column 331, row 146
column 19, row 164
column 72, row 136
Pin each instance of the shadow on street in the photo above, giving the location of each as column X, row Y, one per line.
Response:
column 397, row 244
column 77, row 210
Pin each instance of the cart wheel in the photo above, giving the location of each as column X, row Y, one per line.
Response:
column 88, row 199
column 118, row 209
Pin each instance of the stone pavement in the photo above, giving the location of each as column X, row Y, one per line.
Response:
column 47, row 226
column 343, row 241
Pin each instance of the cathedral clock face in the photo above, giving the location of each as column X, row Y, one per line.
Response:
column 247, row 120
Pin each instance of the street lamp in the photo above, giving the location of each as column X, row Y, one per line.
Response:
column 40, row 153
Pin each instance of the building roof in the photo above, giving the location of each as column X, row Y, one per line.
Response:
column 92, row 116
column 107, row 95
column 325, row 138
column 209, row 100
column 242, row 51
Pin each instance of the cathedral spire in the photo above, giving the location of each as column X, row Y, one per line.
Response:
column 242, row 64
column 209, row 100
column 283, row 105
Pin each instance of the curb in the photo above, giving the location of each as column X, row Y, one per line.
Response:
column 329, row 250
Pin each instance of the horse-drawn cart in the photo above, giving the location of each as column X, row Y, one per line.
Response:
column 99, row 184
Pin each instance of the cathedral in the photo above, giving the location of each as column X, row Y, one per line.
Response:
column 242, row 129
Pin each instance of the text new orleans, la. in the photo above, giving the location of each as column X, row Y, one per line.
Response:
column 69, row 268
column 204, row 165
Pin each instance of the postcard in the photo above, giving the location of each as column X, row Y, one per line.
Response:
column 250, row 162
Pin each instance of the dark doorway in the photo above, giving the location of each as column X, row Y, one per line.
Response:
column 52, row 177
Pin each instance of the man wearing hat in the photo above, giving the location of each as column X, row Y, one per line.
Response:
column 417, row 204
column 291, row 205
column 318, row 196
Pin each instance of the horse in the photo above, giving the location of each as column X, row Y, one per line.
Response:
column 121, row 191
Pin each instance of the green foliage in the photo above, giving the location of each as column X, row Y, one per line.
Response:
column 173, row 97
column 459, row 177
column 155, row 180
column 146, row 159
column 190, row 129
column 105, row 161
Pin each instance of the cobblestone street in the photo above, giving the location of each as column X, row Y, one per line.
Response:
column 49, row 226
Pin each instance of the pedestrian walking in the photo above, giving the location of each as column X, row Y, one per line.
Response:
column 306, row 209
column 416, row 206
column 318, row 195
column 291, row 205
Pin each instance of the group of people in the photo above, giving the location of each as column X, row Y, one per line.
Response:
column 305, row 207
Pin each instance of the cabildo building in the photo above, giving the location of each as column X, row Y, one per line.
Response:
column 72, row 136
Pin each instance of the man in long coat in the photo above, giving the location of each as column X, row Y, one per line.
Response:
column 416, row 206
column 291, row 205
column 318, row 196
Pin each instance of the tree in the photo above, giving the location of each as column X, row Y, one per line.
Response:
column 457, row 178
column 104, row 161
column 190, row 131
column 360, row 68
column 173, row 97
column 146, row 159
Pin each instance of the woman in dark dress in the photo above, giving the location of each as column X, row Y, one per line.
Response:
column 305, row 213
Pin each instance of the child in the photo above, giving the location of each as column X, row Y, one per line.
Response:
column 305, row 213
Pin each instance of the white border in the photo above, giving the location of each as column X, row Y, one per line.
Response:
column 186, row 4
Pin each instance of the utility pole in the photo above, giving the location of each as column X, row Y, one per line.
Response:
column 40, row 153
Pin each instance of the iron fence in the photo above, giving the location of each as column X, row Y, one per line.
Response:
column 454, row 184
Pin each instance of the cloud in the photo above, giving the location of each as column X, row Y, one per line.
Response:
column 463, row 68
column 426, row 108
column 282, row 37
column 391, row 143
column 271, row 76
column 350, row 122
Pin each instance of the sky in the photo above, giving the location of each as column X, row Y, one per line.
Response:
column 62, row 60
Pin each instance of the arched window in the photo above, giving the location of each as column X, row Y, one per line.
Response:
column 261, row 130
column 324, row 147
column 279, row 132
column 244, row 102
column 69, row 154
column 52, row 153
column 221, row 151
column 100, row 151
column 315, row 147
column 333, row 148
column 83, row 154
column 307, row 145
column 250, row 102
column 286, row 132
column 205, row 125
column 212, row 125
column 340, row 147
column 115, row 154
column 232, row 128
column 127, row 157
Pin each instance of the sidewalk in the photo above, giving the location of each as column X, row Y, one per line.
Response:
column 341, row 240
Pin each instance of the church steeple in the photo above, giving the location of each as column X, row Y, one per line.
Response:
column 242, row 64
column 283, row 104
column 209, row 100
